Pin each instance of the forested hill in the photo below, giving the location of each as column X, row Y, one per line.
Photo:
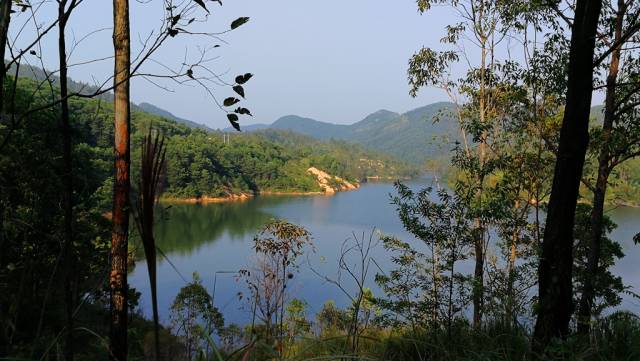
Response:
column 152, row 109
column 415, row 136
column 418, row 136
column 41, row 75
column 202, row 162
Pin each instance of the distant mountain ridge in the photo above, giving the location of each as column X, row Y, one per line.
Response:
column 425, row 133
column 415, row 136
column 310, row 127
column 152, row 109
column 38, row 74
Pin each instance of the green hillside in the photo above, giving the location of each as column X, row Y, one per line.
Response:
column 152, row 109
column 201, row 163
column 40, row 75
column 417, row 136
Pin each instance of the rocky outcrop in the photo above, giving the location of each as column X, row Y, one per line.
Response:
column 330, row 183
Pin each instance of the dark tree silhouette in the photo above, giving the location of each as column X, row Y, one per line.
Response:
column 5, row 19
column 555, row 272
column 67, row 176
column 616, row 143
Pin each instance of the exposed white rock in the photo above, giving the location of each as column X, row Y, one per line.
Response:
column 330, row 183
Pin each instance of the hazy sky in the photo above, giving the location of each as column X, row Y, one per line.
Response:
column 332, row 60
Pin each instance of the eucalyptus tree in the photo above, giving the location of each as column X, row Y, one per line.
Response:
column 519, row 187
column 27, row 104
column 65, row 8
column 121, row 187
column 613, row 140
column 555, row 303
column 194, row 317
column 607, row 286
column 5, row 20
column 177, row 17
column 428, row 289
column 502, row 104
column 482, row 27
column 618, row 138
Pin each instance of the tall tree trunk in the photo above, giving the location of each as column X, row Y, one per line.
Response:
column 600, row 190
column 67, row 179
column 479, row 241
column 122, row 184
column 5, row 19
column 478, row 275
column 555, row 286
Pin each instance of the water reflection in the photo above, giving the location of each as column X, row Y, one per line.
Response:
column 185, row 227
column 628, row 221
column 218, row 237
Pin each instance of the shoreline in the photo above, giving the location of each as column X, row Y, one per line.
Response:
column 243, row 197
column 205, row 200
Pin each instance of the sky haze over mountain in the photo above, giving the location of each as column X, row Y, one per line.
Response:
column 333, row 60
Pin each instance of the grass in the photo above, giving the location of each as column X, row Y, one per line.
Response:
column 614, row 338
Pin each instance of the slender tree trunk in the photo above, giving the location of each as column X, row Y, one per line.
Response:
column 67, row 178
column 511, row 278
column 600, row 190
column 479, row 241
column 555, row 286
column 478, row 276
column 5, row 19
column 451, row 284
column 436, row 284
column 121, row 188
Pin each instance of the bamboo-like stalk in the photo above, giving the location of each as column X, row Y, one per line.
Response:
column 152, row 167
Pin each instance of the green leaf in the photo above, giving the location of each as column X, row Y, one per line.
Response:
column 230, row 101
column 239, row 22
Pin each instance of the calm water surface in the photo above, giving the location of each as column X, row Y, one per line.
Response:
column 218, row 238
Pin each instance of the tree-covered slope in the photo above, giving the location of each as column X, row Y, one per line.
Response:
column 206, row 163
column 152, row 109
column 417, row 136
column 41, row 75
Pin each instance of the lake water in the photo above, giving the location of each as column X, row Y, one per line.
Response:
column 218, row 238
